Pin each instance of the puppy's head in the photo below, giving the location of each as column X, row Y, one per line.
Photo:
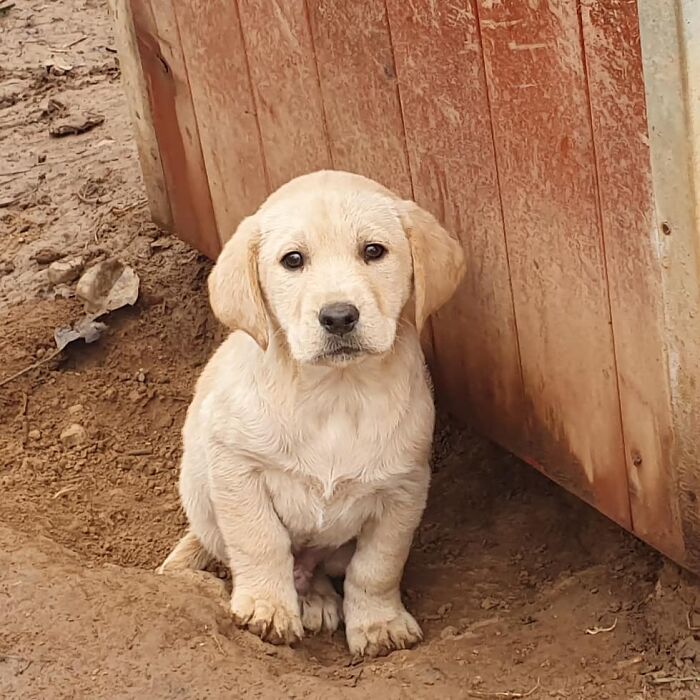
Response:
column 331, row 261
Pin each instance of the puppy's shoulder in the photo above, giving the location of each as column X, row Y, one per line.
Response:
column 232, row 364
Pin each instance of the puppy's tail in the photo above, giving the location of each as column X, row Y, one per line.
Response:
column 187, row 554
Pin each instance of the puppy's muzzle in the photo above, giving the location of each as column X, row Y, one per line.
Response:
column 339, row 318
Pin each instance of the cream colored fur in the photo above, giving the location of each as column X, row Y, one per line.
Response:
column 291, row 453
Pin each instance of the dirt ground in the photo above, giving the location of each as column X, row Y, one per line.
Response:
column 522, row 591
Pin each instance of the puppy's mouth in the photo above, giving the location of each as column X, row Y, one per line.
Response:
column 341, row 354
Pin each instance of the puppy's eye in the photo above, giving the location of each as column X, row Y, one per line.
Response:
column 293, row 260
column 373, row 251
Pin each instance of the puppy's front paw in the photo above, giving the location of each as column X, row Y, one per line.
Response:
column 378, row 636
column 270, row 620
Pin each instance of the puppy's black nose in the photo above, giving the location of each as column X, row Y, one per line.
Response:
column 339, row 319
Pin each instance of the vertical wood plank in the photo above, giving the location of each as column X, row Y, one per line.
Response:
column 175, row 124
column 448, row 131
column 540, row 114
column 360, row 90
column 286, row 86
column 614, row 64
column 134, row 84
column 217, row 66
column 670, row 38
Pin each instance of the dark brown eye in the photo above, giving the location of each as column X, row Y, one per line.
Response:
column 293, row 260
column 373, row 251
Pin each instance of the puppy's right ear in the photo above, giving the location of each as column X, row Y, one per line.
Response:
column 234, row 286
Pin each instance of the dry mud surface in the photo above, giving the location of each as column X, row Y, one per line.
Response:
column 512, row 579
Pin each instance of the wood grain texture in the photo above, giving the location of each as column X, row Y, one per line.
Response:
column 134, row 84
column 175, row 124
column 360, row 90
column 286, row 87
column 616, row 85
column 446, row 114
column 670, row 38
column 217, row 66
column 540, row 114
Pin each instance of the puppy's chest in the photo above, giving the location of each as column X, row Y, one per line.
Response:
column 331, row 476
column 315, row 517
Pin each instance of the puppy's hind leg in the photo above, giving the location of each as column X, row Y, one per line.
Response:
column 321, row 606
column 187, row 554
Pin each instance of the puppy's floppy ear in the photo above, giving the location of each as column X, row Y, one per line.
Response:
column 234, row 286
column 438, row 260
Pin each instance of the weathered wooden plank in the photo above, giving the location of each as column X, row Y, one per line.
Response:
column 134, row 83
column 286, row 87
column 174, row 123
column 217, row 66
column 616, row 84
column 450, row 145
column 670, row 38
column 360, row 90
column 540, row 115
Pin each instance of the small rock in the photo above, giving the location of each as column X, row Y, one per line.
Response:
column 688, row 649
column 444, row 610
column 34, row 434
column 161, row 244
column 65, row 271
column 141, row 376
column 76, row 409
column 6, row 267
column 40, row 352
column 57, row 67
column 73, row 435
column 163, row 421
column 45, row 256
column 449, row 632
column 489, row 604
column 108, row 285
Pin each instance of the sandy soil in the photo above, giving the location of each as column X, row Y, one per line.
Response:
column 521, row 590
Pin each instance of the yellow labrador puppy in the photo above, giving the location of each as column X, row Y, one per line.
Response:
column 306, row 445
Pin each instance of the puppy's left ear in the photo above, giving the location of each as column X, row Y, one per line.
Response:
column 438, row 260
column 234, row 287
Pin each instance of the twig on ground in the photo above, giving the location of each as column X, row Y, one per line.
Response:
column 601, row 630
column 65, row 490
column 34, row 365
column 667, row 680
column 4, row 203
column 506, row 693
column 87, row 200
column 22, row 171
column 66, row 47
column 57, row 161
column 218, row 643
column 119, row 211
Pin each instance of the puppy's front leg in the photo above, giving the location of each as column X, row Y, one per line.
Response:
column 264, row 598
column 376, row 620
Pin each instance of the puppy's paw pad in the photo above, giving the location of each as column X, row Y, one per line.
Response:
column 321, row 612
column 382, row 637
column 272, row 621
